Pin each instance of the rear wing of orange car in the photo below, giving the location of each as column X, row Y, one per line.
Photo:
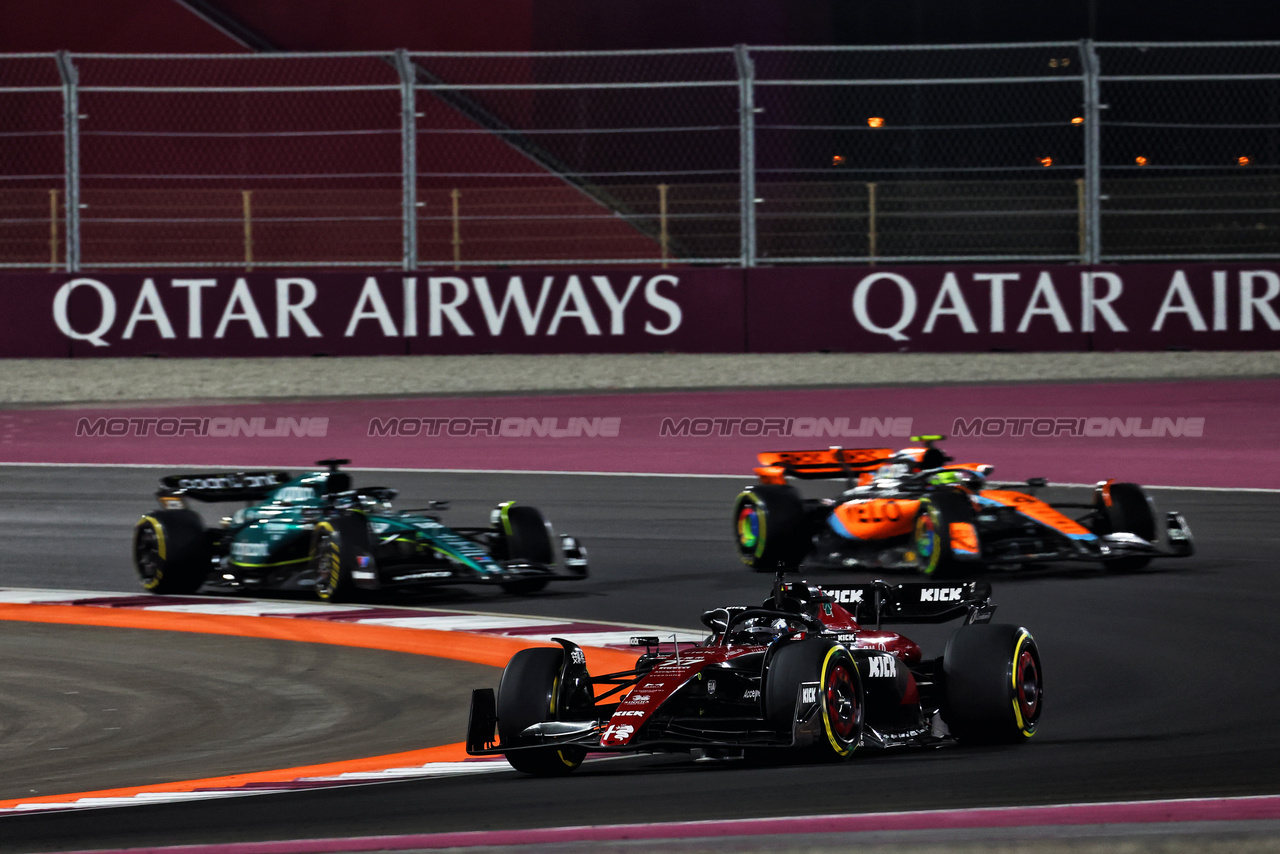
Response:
column 777, row 466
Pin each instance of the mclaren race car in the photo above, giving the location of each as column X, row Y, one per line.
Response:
column 316, row 532
column 801, row 676
column 917, row 509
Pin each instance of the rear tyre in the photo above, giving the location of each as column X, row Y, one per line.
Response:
column 840, row 694
column 1131, row 511
column 529, row 694
column 338, row 545
column 994, row 684
column 769, row 527
column 529, row 538
column 932, row 538
column 171, row 552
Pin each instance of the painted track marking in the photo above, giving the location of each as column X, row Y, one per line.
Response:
column 489, row 639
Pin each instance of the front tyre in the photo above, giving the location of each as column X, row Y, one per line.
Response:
column 529, row 538
column 993, row 683
column 1125, row 508
column 769, row 527
column 942, row 516
column 171, row 552
column 340, row 543
column 840, row 694
column 529, row 693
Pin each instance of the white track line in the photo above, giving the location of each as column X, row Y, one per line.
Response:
column 545, row 472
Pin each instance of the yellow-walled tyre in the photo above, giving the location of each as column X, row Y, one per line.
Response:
column 529, row 693
column 839, row 693
column 931, row 535
column 337, row 545
column 769, row 527
column 993, row 684
column 171, row 552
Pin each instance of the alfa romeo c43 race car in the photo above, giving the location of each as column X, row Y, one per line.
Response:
column 799, row 676
column 316, row 532
column 916, row 509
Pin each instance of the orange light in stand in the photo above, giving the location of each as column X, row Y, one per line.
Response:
column 1243, row 161
column 837, row 160
column 1078, row 120
column 1140, row 160
column 875, row 122
column 1045, row 161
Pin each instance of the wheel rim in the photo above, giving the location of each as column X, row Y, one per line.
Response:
column 840, row 699
column 1027, row 686
column 926, row 538
column 327, row 567
column 147, row 557
column 748, row 529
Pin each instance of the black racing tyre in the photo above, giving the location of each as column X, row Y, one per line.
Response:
column 336, row 546
column 1131, row 511
column 529, row 694
column 993, row 684
column 931, row 535
column 171, row 551
column 529, row 537
column 770, row 528
column 840, row 693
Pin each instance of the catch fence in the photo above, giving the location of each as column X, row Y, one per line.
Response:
column 1048, row 152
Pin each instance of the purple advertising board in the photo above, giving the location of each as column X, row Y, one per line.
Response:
column 1024, row 308
column 939, row 308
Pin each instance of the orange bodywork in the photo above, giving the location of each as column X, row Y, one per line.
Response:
column 1036, row 509
column 878, row 518
column 963, row 537
column 772, row 474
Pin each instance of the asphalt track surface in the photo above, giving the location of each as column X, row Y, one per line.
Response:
column 1160, row 683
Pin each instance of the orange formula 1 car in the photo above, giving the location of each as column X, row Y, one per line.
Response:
column 917, row 509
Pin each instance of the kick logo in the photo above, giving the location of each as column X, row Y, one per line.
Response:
column 941, row 594
column 809, row 695
column 883, row 666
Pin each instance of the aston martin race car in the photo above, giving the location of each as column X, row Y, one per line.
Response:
column 315, row 532
column 800, row 677
column 917, row 509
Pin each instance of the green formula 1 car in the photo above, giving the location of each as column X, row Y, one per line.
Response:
column 316, row 532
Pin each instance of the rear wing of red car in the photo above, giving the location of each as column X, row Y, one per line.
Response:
column 914, row 601
column 224, row 485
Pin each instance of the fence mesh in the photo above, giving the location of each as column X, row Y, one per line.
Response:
column 848, row 154
column 571, row 156
column 32, row 179
column 918, row 153
column 1190, row 150
column 252, row 160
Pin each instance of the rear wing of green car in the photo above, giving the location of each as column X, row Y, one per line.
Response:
column 223, row 486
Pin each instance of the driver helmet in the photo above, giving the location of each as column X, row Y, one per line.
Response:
column 964, row 478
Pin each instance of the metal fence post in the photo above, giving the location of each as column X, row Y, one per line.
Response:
column 409, row 156
column 71, row 156
column 747, row 153
column 1092, row 154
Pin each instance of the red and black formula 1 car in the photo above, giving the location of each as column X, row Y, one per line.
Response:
column 800, row 673
column 917, row 509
